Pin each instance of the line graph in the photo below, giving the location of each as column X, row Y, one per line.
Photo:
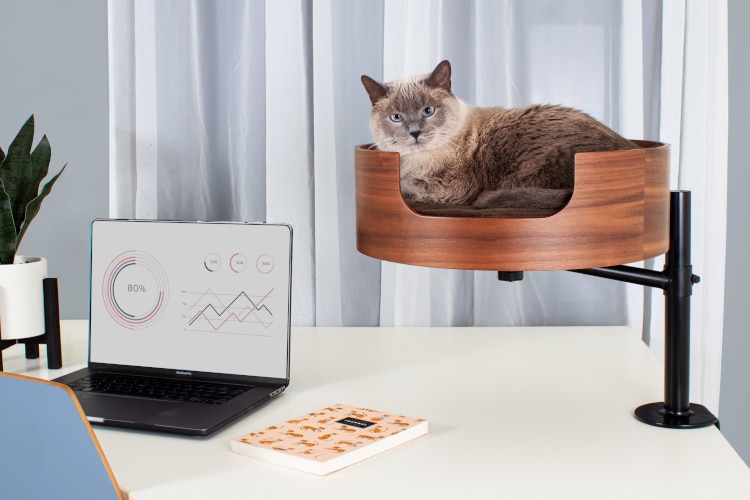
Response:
column 230, row 313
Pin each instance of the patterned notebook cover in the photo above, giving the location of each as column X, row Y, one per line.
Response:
column 330, row 439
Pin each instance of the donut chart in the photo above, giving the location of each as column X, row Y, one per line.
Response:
column 135, row 289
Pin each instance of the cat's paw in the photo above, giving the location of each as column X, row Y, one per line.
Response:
column 413, row 189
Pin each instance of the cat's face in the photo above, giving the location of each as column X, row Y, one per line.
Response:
column 414, row 114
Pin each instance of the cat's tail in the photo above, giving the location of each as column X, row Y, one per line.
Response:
column 530, row 197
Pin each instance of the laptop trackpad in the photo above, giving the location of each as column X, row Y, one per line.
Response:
column 120, row 409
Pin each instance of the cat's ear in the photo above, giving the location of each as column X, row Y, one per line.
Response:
column 441, row 76
column 375, row 90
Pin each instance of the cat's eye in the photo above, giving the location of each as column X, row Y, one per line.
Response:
column 395, row 117
column 428, row 111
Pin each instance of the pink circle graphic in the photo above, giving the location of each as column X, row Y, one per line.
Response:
column 135, row 289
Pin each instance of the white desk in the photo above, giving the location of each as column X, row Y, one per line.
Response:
column 516, row 413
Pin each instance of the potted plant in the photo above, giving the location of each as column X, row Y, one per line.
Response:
column 21, row 173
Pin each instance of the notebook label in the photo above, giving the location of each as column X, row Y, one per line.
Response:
column 355, row 422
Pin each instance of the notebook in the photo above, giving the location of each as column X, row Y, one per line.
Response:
column 189, row 323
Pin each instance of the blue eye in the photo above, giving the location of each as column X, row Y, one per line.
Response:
column 395, row 117
column 428, row 111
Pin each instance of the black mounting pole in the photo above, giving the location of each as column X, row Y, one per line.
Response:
column 677, row 280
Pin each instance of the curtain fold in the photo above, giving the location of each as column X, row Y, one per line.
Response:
column 250, row 109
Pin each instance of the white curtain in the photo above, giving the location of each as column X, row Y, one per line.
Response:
column 250, row 109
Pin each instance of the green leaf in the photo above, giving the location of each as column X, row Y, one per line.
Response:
column 18, row 174
column 40, row 158
column 7, row 228
column 34, row 205
column 21, row 173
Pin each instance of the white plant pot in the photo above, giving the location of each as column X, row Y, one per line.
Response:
column 22, row 298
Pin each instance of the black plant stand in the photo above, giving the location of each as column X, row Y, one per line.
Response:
column 51, row 337
column 677, row 280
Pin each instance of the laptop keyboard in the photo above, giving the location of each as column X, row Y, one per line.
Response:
column 158, row 388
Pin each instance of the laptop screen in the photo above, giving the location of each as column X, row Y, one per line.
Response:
column 210, row 297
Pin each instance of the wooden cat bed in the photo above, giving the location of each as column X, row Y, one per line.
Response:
column 618, row 213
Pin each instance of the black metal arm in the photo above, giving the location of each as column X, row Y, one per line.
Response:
column 677, row 280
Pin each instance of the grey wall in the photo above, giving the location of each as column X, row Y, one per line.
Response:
column 53, row 64
column 734, row 407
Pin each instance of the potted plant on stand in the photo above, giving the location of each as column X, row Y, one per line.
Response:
column 21, row 292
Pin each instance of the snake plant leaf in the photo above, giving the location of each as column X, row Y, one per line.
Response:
column 7, row 228
column 18, row 173
column 32, row 208
column 21, row 173
column 40, row 158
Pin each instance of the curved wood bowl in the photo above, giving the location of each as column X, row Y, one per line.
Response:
column 618, row 214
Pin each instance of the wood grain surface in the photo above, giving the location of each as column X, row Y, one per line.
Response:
column 618, row 214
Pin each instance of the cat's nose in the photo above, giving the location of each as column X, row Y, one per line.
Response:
column 415, row 133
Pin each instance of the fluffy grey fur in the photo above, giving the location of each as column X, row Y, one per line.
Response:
column 453, row 153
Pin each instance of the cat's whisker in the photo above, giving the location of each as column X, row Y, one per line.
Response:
column 385, row 144
column 449, row 140
column 456, row 141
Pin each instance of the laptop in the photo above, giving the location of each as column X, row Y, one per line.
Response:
column 189, row 323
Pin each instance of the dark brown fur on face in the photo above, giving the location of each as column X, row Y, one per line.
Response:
column 453, row 153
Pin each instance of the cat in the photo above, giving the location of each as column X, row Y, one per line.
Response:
column 455, row 154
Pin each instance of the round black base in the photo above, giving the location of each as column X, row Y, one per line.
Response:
column 656, row 414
